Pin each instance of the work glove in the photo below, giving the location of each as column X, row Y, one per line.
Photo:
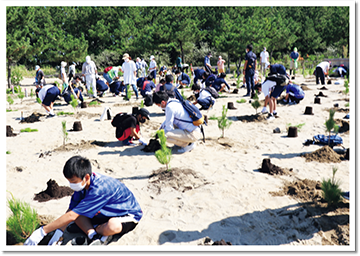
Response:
column 141, row 140
column 55, row 238
column 35, row 237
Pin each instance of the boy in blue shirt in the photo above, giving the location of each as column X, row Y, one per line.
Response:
column 182, row 78
column 198, row 74
column 294, row 56
column 295, row 93
column 98, row 200
column 101, row 87
column 220, row 83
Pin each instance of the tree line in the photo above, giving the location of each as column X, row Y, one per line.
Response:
column 48, row 35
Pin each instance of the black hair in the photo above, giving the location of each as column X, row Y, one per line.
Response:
column 150, row 77
column 250, row 47
column 77, row 166
column 195, row 87
column 177, row 72
column 169, row 78
column 222, row 75
column 162, row 80
column 160, row 96
column 257, row 86
column 77, row 77
column 206, row 74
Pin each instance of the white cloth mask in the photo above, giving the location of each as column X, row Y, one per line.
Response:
column 77, row 186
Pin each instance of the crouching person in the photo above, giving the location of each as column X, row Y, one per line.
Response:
column 203, row 97
column 48, row 94
column 178, row 126
column 101, row 206
column 294, row 94
column 128, row 126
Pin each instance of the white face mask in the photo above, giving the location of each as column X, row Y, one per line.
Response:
column 77, row 186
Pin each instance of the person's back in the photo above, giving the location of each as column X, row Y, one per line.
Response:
column 218, row 82
column 178, row 116
column 277, row 69
column 100, row 85
column 147, row 87
column 123, row 122
column 296, row 90
column 210, row 80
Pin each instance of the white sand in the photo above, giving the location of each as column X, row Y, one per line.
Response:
column 235, row 205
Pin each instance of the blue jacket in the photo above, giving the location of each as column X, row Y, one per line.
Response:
column 277, row 68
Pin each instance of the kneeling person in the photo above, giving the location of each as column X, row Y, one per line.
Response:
column 203, row 97
column 294, row 93
column 127, row 126
column 98, row 200
column 178, row 126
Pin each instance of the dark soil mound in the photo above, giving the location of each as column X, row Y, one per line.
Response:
column 34, row 117
column 9, row 131
column 341, row 110
column 153, row 146
column 252, row 118
column 222, row 242
column 323, row 155
column 83, row 145
column 344, row 125
column 303, row 190
column 268, row 167
column 53, row 191
column 177, row 178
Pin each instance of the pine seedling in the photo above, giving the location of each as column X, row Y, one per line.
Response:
column 10, row 101
column 38, row 101
column 74, row 103
column 64, row 132
column 183, row 94
column 241, row 101
column 347, row 90
column 21, row 94
column 256, row 104
column 330, row 189
column 32, row 93
column 23, row 221
column 8, row 152
column 299, row 126
column 238, row 81
column 223, row 122
column 330, row 123
column 164, row 154
column 28, row 130
column 142, row 104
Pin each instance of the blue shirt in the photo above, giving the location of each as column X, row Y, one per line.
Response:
column 295, row 90
column 250, row 57
column 277, row 68
column 106, row 196
column 184, row 78
column 210, row 80
column 67, row 96
column 206, row 60
column 147, row 87
column 101, row 86
column 218, row 82
column 294, row 55
column 199, row 73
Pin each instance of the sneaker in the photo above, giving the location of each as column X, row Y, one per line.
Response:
column 264, row 110
column 247, row 95
column 128, row 143
column 270, row 118
column 80, row 240
column 188, row 148
column 274, row 113
column 243, row 86
column 51, row 115
column 100, row 240
column 292, row 103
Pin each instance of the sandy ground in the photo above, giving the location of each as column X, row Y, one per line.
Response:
column 225, row 195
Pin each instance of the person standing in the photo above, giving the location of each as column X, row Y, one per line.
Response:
column 63, row 75
column 153, row 67
column 39, row 77
column 321, row 70
column 89, row 71
column 249, row 70
column 129, row 69
column 179, row 63
column 138, row 67
column 144, row 65
column 294, row 56
column 264, row 59
column 220, row 65
column 207, row 64
column 72, row 71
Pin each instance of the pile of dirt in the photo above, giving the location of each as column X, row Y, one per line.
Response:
column 268, row 167
column 252, row 118
column 323, row 155
column 303, row 190
column 53, row 191
column 82, row 145
column 177, row 178
column 9, row 131
column 340, row 110
column 34, row 117
column 331, row 221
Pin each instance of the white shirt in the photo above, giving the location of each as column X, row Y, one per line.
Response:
column 152, row 65
column 203, row 94
column 63, row 73
column 89, row 69
column 129, row 68
column 72, row 67
column 264, row 56
column 43, row 91
column 267, row 86
column 324, row 66
column 175, row 112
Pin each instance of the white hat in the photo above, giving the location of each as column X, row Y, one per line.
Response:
column 63, row 64
column 220, row 57
column 37, row 67
column 88, row 59
column 125, row 56
column 152, row 57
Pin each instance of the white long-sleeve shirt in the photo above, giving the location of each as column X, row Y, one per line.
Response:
column 89, row 68
column 129, row 69
column 176, row 115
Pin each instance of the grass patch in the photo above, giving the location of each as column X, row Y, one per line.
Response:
column 11, row 110
column 241, row 101
column 28, row 130
column 94, row 103
column 8, row 152
column 298, row 126
column 62, row 113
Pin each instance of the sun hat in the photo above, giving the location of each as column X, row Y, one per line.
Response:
column 63, row 64
column 88, row 59
column 37, row 67
column 125, row 56
column 152, row 57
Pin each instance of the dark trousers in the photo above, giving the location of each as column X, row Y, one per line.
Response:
column 320, row 74
column 250, row 84
column 208, row 69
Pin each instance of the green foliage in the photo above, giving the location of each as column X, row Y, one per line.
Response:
column 32, row 94
column 10, row 100
column 28, row 130
column 16, row 76
column 183, row 94
column 213, row 118
column 330, row 123
column 223, row 122
column 347, row 104
column 241, row 101
column 256, row 104
column 128, row 94
column 23, row 221
column 62, row 113
column 142, row 104
column 164, row 154
column 298, row 126
column 74, row 102
column 94, row 103
column 64, row 132
column 8, row 152
column 21, row 94
column 330, row 189
column 346, row 85
column 38, row 101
